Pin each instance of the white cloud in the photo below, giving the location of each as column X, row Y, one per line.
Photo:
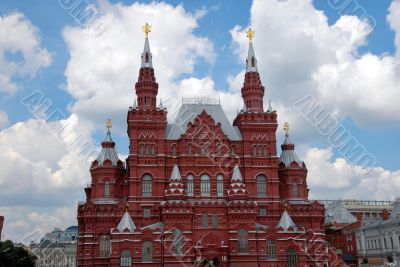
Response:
column 300, row 54
column 103, row 70
column 330, row 178
column 21, row 54
column 3, row 119
column 41, row 171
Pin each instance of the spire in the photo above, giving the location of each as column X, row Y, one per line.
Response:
column 251, row 61
column 146, row 86
column 288, row 154
column 146, row 55
column 126, row 223
column 252, row 90
column 108, row 151
column 286, row 222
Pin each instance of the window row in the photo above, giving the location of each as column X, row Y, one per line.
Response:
column 147, row 249
column 205, row 149
column 205, row 186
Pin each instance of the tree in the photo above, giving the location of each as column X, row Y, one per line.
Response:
column 12, row 256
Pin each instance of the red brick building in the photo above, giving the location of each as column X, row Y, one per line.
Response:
column 200, row 191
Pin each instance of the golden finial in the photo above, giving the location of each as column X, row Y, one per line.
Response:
column 109, row 124
column 286, row 127
column 250, row 34
column 146, row 29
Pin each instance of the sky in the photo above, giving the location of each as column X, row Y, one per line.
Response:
column 330, row 68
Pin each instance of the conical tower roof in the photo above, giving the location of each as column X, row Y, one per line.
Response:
column 288, row 154
column 108, row 151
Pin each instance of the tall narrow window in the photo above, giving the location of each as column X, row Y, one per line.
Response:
column 107, row 189
column 391, row 242
column 265, row 151
column 205, row 186
column 147, row 251
column 153, row 150
column 291, row 258
column 220, row 186
column 214, row 221
column 147, row 185
column 105, row 246
column 147, row 57
column 190, row 185
column 295, row 190
column 254, row 151
column 141, row 150
column 173, row 150
column 204, row 221
column 242, row 241
column 189, row 149
column 260, row 151
column 126, row 259
column 177, row 242
column 271, row 247
column 261, row 188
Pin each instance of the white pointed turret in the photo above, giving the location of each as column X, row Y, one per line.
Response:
column 134, row 104
column 175, row 175
column 236, row 176
column 161, row 106
column 286, row 222
column 237, row 189
column 146, row 55
column 251, row 61
column 269, row 110
column 175, row 189
column 126, row 223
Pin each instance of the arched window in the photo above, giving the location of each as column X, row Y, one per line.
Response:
column 205, row 186
column 291, row 258
column 141, row 150
column 261, row 188
column 254, row 151
column 107, row 189
column 220, row 186
column 174, row 150
column 265, row 151
column 295, row 192
column 105, row 246
column 126, row 260
column 153, row 150
column 189, row 152
column 147, row 251
column 177, row 242
column 190, row 185
column 271, row 248
column 242, row 241
column 147, row 185
column 260, row 151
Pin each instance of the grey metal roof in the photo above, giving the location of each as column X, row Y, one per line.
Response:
column 289, row 155
column 108, row 153
column 249, row 66
column 188, row 112
column 337, row 213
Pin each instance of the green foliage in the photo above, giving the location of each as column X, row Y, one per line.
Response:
column 12, row 256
